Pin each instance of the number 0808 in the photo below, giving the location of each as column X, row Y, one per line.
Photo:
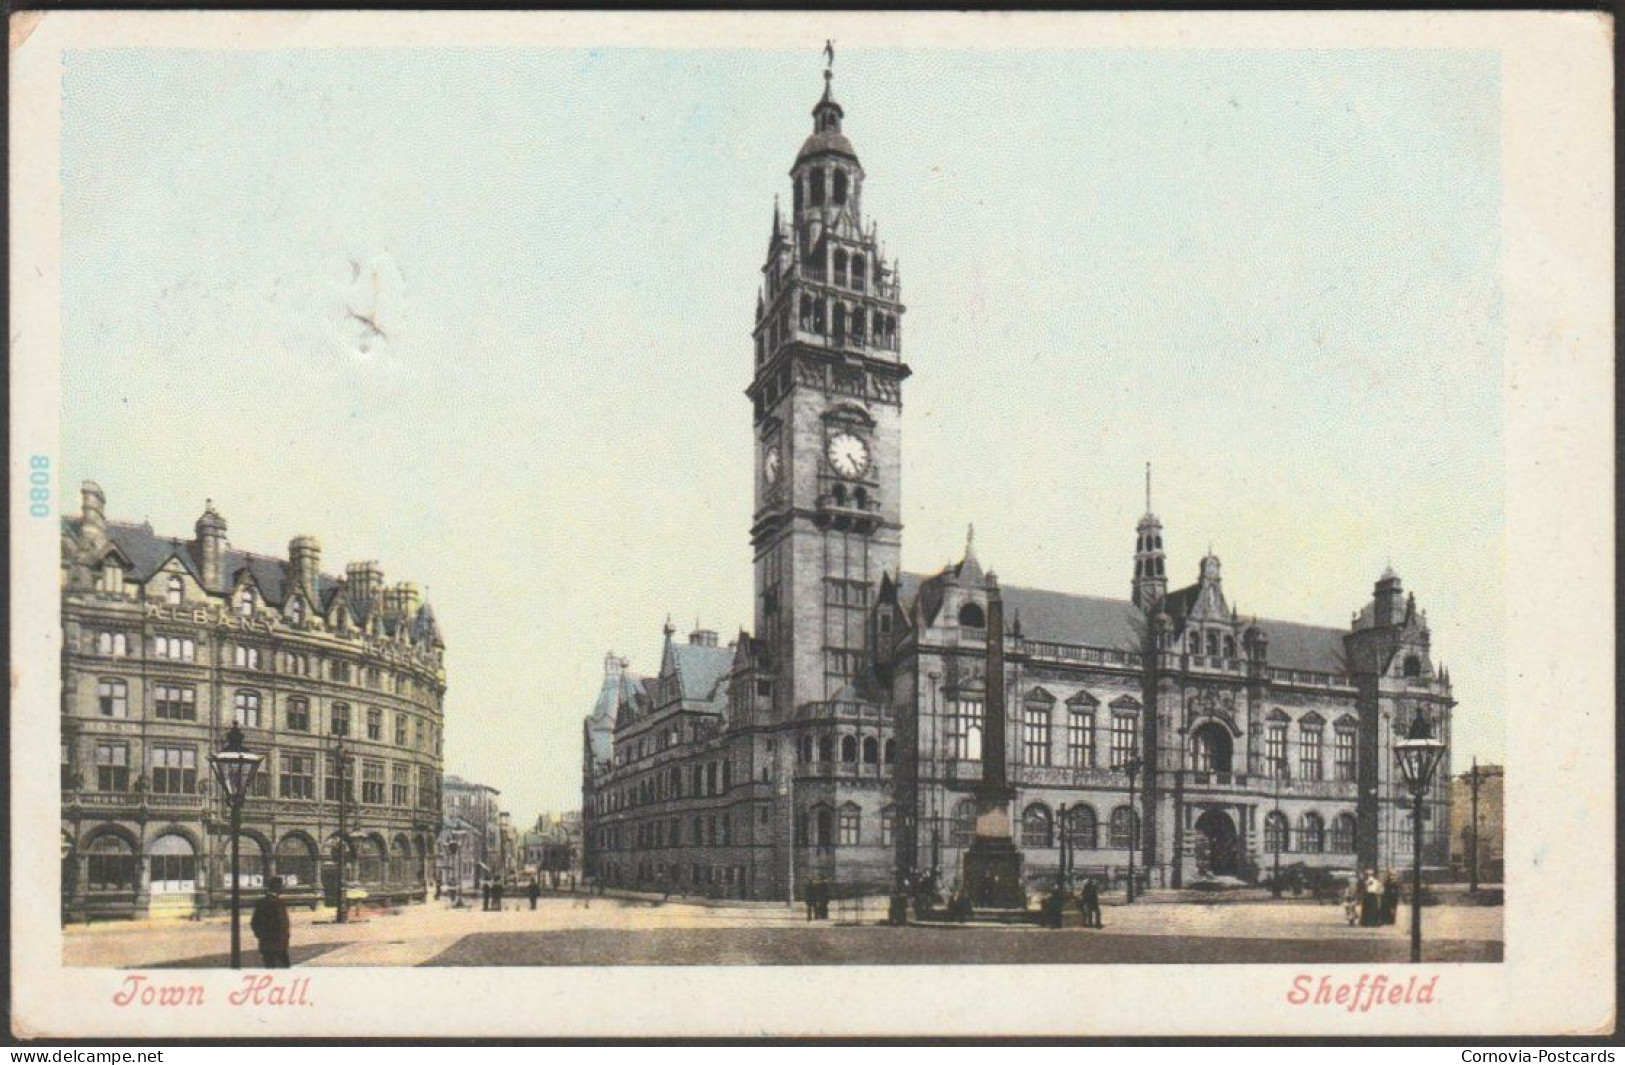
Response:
column 39, row 486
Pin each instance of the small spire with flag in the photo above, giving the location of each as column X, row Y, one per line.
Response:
column 829, row 54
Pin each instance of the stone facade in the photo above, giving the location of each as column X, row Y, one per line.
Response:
column 168, row 642
column 474, row 820
column 842, row 739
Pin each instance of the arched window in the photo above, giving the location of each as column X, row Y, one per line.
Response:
column 1229, row 647
column 806, row 752
column 877, row 326
column 1213, row 748
column 111, row 864
column 971, row 617
column 849, row 748
column 1275, row 833
column 851, row 825
column 296, row 610
column 1037, row 828
column 891, row 752
column 964, row 822
column 1081, row 828
column 1343, row 834
column 1413, row 666
column 1311, row 834
column 840, row 322
column 247, row 602
column 857, row 327
column 1212, row 643
column 1125, row 828
column 174, row 591
column 871, row 751
column 815, row 188
column 296, row 861
column 173, row 865
column 825, row 821
column 798, row 198
column 858, row 272
column 826, row 748
column 840, row 268
column 1193, row 645
column 840, row 186
column 806, row 311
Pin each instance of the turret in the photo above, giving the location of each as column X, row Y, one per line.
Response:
column 92, row 513
column 1389, row 600
column 1150, row 583
column 210, row 546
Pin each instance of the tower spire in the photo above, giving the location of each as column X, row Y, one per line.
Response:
column 1148, row 488
column 1150, row 564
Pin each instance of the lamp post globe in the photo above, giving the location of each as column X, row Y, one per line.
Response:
column 234, row 770
column 1418, row 754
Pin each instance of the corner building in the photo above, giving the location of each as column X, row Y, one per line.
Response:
column 843, row 737
column 166, row 644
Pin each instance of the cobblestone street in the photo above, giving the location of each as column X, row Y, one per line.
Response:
column 620, row 931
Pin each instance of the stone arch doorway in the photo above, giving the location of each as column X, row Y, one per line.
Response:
column 1218, row 845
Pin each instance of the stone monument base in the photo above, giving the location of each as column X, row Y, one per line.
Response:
column 992, row 874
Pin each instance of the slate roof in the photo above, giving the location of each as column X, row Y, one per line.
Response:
column 702, row 673
column 1094, row 621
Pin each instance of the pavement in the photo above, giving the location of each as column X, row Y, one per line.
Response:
column 575, row 930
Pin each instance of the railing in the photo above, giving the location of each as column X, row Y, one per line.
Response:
column 129, row 800
column 1096, row 656
column 1066, row 777
column 843, row 770
column 1206, row 779
column 1306, row 677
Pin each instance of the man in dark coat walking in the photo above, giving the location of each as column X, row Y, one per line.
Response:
column 496, row 895
column 272, row 926
column 535, row 893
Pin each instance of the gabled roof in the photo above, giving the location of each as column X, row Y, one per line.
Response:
column 702, row 673
column 1093, row 621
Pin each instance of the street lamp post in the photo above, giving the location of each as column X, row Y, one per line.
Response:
column 1283, row 773
column 1473, row 886
column 341, row 763
column 1062, row 826
column 454, row 845
column 1419, row 755
column 235, row 768
column 1132, row 768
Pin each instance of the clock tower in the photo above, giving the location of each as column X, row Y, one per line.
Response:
column 827, row 399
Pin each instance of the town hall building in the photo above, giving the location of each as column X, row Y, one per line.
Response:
column 841, row 738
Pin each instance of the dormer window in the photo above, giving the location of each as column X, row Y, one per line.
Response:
column 246, row 603
column 971, row 617
column 1413, row 666
column 113, row 577
column 296, row 611
column 174, row 591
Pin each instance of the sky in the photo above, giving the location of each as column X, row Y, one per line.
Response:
column 484, row 316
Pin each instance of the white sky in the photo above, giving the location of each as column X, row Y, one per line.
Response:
column 1274, row 275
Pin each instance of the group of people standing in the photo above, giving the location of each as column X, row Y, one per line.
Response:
column 492, row 892
column 1088, row 900
column 1372, row 900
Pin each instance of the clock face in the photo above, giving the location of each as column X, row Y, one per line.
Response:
column 772, row 464
column 848, row 455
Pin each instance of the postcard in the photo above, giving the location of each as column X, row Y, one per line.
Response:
column 843, row 524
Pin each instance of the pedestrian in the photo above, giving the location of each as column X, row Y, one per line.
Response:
column 496, row 895
column 485, row 894
column 1089, row 901
column 272, row 926
column 535, row 892
column 1390, row 898
column 1371, row 914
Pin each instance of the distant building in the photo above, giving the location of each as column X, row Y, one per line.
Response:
column 168, row 643
column 1491, row 827
column 553, row 847
column 480, row 842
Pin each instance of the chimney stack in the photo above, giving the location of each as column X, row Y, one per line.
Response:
column 305, row 555
column 210, row 546
column 365, row 583
column 703, row 638
column 92, row 514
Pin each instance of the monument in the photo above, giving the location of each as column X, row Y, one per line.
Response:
column 992, row 869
